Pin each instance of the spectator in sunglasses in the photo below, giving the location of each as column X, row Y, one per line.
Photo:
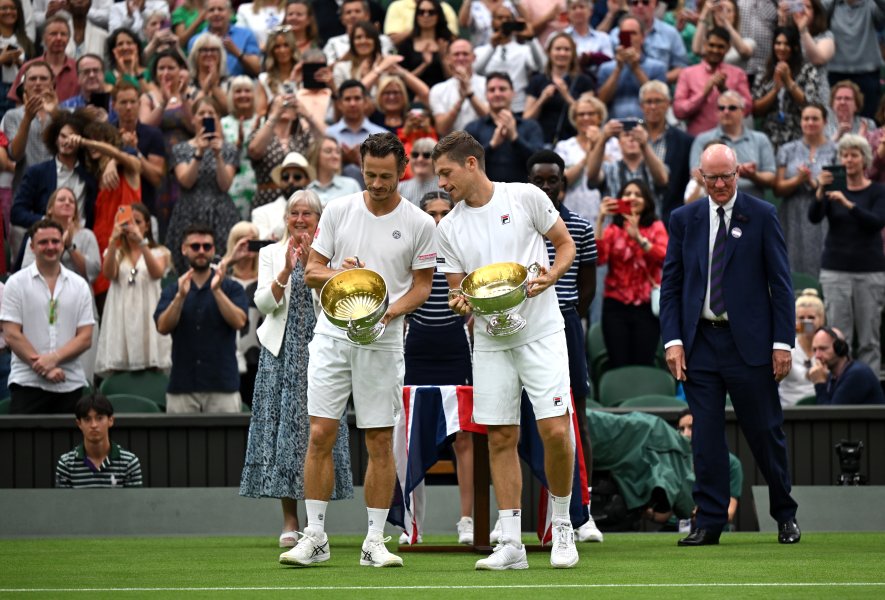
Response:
column 423, row 179
column 293, row 174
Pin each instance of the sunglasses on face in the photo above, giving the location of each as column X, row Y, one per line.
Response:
column 638, row 2
column 292, row 176
column 729, row 108
column 205, row 246
column 425, row 155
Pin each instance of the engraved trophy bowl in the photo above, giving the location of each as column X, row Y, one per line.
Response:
column 496, row 291
column 354, row 301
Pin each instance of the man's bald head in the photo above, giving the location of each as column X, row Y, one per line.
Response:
column 719, row 166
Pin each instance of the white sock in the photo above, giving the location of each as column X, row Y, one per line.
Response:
column 316, row 515
column 560, row 508
column 377, row 517
column 511, row 526
column 590, row 498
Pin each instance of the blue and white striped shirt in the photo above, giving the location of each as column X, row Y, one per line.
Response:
column 585, row 245
column 436, row 312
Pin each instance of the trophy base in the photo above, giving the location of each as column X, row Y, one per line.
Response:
column 507, row 324
column 366, row 336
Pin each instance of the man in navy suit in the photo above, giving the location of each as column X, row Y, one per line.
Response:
column 727, row 323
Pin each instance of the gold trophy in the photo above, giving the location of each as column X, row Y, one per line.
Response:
column 354, row 301
column 496, row 291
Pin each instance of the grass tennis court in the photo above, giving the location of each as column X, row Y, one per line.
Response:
column 746, row 565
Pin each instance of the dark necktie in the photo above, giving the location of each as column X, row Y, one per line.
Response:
column 717, row 267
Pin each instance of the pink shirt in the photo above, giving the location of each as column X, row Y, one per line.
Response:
column 699, row 109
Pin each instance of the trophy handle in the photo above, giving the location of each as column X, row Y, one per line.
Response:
column 454, row 293
column 534, row 270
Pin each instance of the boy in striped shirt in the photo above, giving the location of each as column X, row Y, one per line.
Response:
column 97, row 462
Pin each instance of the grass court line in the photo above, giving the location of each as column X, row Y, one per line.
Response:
column 447, row 587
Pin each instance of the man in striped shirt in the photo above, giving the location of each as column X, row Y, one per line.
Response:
column 97, row 462
column 574, row 291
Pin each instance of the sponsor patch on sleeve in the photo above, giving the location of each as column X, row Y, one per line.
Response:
column 425, row 257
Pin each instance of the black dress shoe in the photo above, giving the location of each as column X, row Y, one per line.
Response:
column 700, row 537
column 788, row 532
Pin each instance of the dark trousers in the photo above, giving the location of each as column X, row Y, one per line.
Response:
column 631, row 333
column 867, row 82
column 579, row 377
column 714, row 368
column 36, row 401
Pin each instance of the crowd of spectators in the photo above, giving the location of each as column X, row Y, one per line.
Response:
column 213, row 113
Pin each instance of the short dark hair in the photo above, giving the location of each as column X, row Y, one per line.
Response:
column 56, row 19
column 172, row 53
column 93, row 57
column 198, row 229
column 384, row 144
column 720, row 32
column 122, row 86
column 75, row 120
column 819, row 106
column 44, row 223
column 499, row 75
column 95, row 401
column 351, row 83
column 685, row 412
column 545, row 157
column 112, row 42
column 458, row 146
column 647, row 216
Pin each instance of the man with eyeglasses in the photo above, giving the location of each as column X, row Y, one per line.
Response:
column 47, row 322
column 727, row 322
column 90, row 74
column 293, row 174
column 662, row 41
column 202, row 311
column 753, row 149
column 241, row 45
column 699, row 86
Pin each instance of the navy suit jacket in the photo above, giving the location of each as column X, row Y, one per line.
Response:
column 38, row 183
column 757, row 282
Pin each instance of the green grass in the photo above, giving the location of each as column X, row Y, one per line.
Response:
column 105, row 565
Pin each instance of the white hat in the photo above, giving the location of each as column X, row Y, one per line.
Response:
column 293, row 160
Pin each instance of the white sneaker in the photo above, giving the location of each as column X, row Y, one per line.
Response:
column 465, row 530
column 375, row 553
column 288, row 539
column 311, row 548
column 564, row 554
column 589, row 532
column 505, row 556
column 495, row 535
column 404, row 539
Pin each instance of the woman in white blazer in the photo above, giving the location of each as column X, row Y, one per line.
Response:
column 280, row 426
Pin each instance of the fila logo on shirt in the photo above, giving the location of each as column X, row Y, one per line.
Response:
column 505, row 219
column 396, row 234
column 557, row 401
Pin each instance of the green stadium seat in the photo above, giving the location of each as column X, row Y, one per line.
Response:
column 130, row 403
column 4, row 406
column 245, row 408
column 807, row 401
column 148, row 384
column 653, row 401
column 621, row 384
column 597, row 355
column 803, row 280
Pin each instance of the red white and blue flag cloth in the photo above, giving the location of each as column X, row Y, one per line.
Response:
column 427, row 424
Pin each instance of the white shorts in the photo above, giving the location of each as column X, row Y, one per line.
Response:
column 541, row 367
column 374, row 377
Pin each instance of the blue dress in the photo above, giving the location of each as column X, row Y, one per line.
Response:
column 280, row 426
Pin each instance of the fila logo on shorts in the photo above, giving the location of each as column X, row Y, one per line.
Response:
column 557, row 401
column 505, row 219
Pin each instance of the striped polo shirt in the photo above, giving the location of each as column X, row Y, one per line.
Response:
column 585, row 245
column 119, row 469
column 435, row 312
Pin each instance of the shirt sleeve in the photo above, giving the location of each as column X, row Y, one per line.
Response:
column 11, row 306
column 425, row 245
column 62, row 474
column 165, row 299
column 133, row 473
column 447, row 261
column 541, row 209
column 85, row 314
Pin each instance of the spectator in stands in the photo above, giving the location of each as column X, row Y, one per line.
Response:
column 788, row 84
column 329, row 183
column 853, row 263
column 810, row 318
column 353, row 127
column 699, row 86
column 278, row 67
column 423, row 181
column 317, row 98
column 400, row 17
column 243, row 52
column 293, row 174
column 846, row 102
column 86, row 37
column 857, row 57
column 661, row 41
column 818, row 44
column 90, row 74
column 876, row 139
column 242, row 267
column 288, row 128
column 261, row 17
column 392, row 103
column 621, row 78
column 574, row 291
column 157, row 34
column 56, row 35
column 592, row 45
column 551, row 93
column 125, row 59
column 24, row 125
column 638, row 161
column 17, row 48
column 839, row 379
column 724, row 14
column 517, row 53
column 139, row 16
column 508, row 140
column 352, row 12
column 424, row 51
column 202, row 311
column 757, row 22
column 299, row 16
column 47, row 375
column 208, row 69
column 97, row 462
column 205, row 168
column 237, row 126
column 418, row 124
column 67, row 168
column 188, row 19
column 459, row 99
column 134, row 264
column 280, row 428
column 633, row 246
column 754, row 151
column 798, row 165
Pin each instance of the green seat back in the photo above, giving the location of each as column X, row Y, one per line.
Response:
column 804, row 280
column 807, row 401
column 621, row 384
column 130, row 403
column 652, row 401
column 4, row 406
column 148, row 384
